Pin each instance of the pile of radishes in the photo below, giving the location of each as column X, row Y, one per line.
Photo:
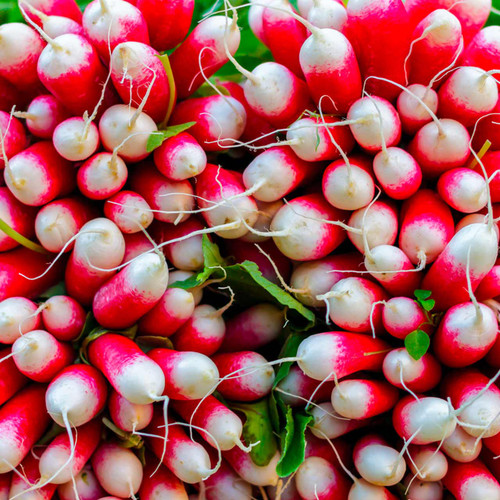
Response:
column 357, row 169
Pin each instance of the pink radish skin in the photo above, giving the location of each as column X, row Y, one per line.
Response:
column 304, row 133
column 361, row 399
column 380, row 33
column 355, row 304
column 40, row 356
column 173, row 198
column 219, row 120
column 17, row 316
column 328, row 424
column 411, row 112
column 418, row 376
column 490, row 285
column 426, row 227
column 10, row 96
column 23, row 421
column 462, row 447
column 17, row 215
column 11, row 379
column 58, row 221
column 253, row 328
column 14, row 138
column 188, row 375
column 278, row 170
column 275, row 94
column 317, row 277
column 316, row 478
column 21, row 483
column 436, row 43
column 461, row 387
column 300, row 388
column 161, row 483
column 348, row 187
column 180, row 157
column 5, row 480
column 402, row 315
column 341, row 353
column 362, row 489
column 397, row 172
column 377, row 462
column 463, row 189
column 423, row 490
column 87, row 487
column 132, row 374
column 471, row 480
column 438, row 147
column 316, row 447
column 100, row 244
column 101, row 176
column 118, row 470
column 490, row 162
column 391, row 267
column 168, row 23
column 225, row 484
column 78, row 391
column 256, row 475
column 133, row 67
column 129, row 211
column 484, row 49
column 371, row 125
column 38, row 174
column 429, row 463
column 379, row 221
column 135, row 244
column 307, row 213
column 203, row 48
column 203, row 332
column 43, row 115
column 74, row 140
column 241, row 208
column 331, row 69
column 129, row 417
column 328, row 14
column 127, row 130
column 63, row 317
column 57, row 453
column 65, row 8
column 71, row 70
column 465, row 334
column 20, row 49
column 253, row 379
column 107, row 25
column 222, row 423
column 477, row 243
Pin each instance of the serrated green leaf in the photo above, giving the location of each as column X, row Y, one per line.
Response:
column 257, row 428
column 155, row 140
column 422, row 294
column 417, row 343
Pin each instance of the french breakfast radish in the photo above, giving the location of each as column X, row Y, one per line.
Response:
column 85, row 487
column 76, row 139
column 411, row 112
column 43, row 115
column 14, row 138
column 484, row 49
column 18, row 315
column 129, row 211
column 129, row 417
column 160, row 482
column 11, row 379
column 63, row 317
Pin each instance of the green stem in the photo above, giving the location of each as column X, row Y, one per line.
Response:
column 22, row 240
column 171, row 86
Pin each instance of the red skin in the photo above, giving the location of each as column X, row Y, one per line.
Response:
column 493, row 356
column 493, row 444
column 380, row 33
column 18, row 216
column 220, row 481
column 63, row 8
column 9, row 95
column 11, row 379
column 78, row 86
column 135, row 244
column 483, row 50
column 168, row 22
column 30, row 470
column 31, row 264
column 24, row 418
column 14, row 136
column 449, row 185
column 317, row 447
column 459, row 474
column 160, row 483
column 415, row 320
column 120, row 408
column 279, row 26
column 489, row 460
column 5, row 485
column 491, row 162
column 488, row 128
column 70, row 325
column 116, row 205
column 53, row 111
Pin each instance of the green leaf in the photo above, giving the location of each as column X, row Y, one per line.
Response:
column 428, row 305
column 289, row 350
column 293, row 443
column 257, row 428
column 494, row 18
column 207, row 90
column 155, row 140
column 422, row 294
column 417, row 343
column 19, row 238
column 59, row 289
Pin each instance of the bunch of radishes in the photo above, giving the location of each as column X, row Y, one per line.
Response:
column 358, row 170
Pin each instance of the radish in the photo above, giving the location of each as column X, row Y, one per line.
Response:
column 118, row 470
column 328, row 14
column 324, row 356
column 427, row 462
column 66, row 8
column 11, row 379
column 23, row 421
column 54, row 25
column 129, row 211
column 135, row 245
column 102, row 176
column 254, row 376
column 14, row 138
column 255, row 20
column 267, row 210
column 86, row 486
column 63, row 317
column 17, row 215
column 76, row 139
column 21, row 485
column 402, row 315
column 139, row 76
column 128, row 416
column 490, row 163
column 362, row 489
column 38, row 174
column 461, row 446
column 168, row 23
column 40, row 356
column 423, row 490
column 490, row 284
column 5, row 480
column 257, row 475
column 318, row 479
column 18, row 315
column 180, row 157
column 225, row 484
column 126, row 129
column 220, row 120
column 339, row 454
column 10, row 96
column 203, row 53
column 380, row 33
column 412, row 113
column 59, row 221
column 484, row 49
column 188, row 375
column 328, row 424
